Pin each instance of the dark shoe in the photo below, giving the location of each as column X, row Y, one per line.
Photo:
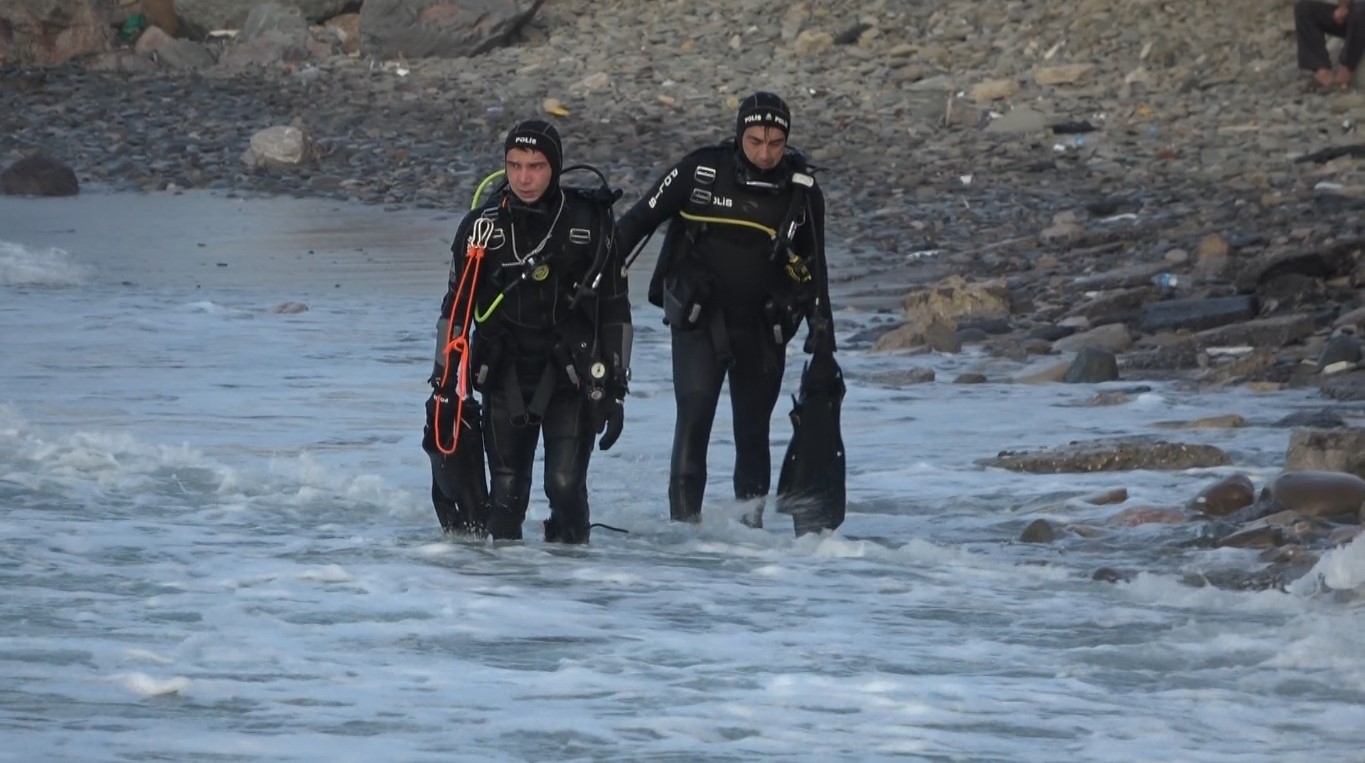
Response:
column 503, row 525
column 555, row 532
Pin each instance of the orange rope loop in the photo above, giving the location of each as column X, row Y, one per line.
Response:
column 456, row 342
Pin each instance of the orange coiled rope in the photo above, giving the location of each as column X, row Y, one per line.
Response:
column 456, row 340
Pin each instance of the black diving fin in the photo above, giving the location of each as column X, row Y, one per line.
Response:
column 459, row 485
column 811, row 486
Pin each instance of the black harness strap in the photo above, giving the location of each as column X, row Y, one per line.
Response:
column 520, row 412
column 720, row 338
column 545, row 388
column 796, row 207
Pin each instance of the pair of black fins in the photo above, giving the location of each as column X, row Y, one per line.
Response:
column 459, row 486
column 811, row 486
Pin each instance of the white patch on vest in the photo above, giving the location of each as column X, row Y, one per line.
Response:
column 721, row 201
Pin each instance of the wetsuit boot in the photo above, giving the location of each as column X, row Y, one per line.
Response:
column 559, row 531
column 509, row 508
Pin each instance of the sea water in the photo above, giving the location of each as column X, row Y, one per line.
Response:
column 217, row 542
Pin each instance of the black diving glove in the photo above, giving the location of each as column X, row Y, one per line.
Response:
column 820, row 336
column 611, row 411
column 612, row 421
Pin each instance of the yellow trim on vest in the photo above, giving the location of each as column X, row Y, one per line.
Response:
column 727, row 221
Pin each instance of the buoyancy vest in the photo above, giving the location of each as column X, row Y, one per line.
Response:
column 732, row 256
column 536, row 310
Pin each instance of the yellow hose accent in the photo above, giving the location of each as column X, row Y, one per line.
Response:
column 478, row 192
column 727, row 221
column 481, row 317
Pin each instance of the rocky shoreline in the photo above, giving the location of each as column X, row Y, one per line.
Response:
column 1087, row 193
column 1073, row 178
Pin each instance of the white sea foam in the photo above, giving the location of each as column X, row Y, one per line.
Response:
column 40, row 266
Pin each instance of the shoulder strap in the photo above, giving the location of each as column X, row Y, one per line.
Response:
column 801, row 183
column 604, row 196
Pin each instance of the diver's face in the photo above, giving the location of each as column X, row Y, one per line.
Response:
column 528, row 173
column 763, row 146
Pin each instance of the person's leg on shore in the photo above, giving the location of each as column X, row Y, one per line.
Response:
column 1313, row 21
column 1354, row 48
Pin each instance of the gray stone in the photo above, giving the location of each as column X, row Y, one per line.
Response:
column 1195, row 314
column 1266, row 332
column 1334, row 450
column 451, row 29
column 1092, row 366
column 185, row 54
column 273, row 18
column 1021, row 119
column 1226, row 496
column 1343, row 348
column 1038, row 531
column 203, row 16
column 1112, row 337
column 1112, row 454
column 1315, row 493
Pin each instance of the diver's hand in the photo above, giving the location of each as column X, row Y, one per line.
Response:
column 611, row 423
column 819, row 338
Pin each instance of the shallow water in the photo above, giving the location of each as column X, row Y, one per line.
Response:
column 217, row 543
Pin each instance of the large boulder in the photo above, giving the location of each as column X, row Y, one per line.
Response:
column 281, row 147
column 39, row 176
column 1229, row 494
column 50, row 32
column 440, row 28
column 1317, row 494
column 1337, row 450
column 203, row 16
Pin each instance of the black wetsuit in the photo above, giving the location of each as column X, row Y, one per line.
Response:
column 717, row 264
column 529, row 337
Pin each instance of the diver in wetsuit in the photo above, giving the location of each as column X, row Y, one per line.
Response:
column 538, row 270
column 741, row 268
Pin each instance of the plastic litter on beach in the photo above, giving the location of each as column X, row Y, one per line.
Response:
column 1234, row 351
